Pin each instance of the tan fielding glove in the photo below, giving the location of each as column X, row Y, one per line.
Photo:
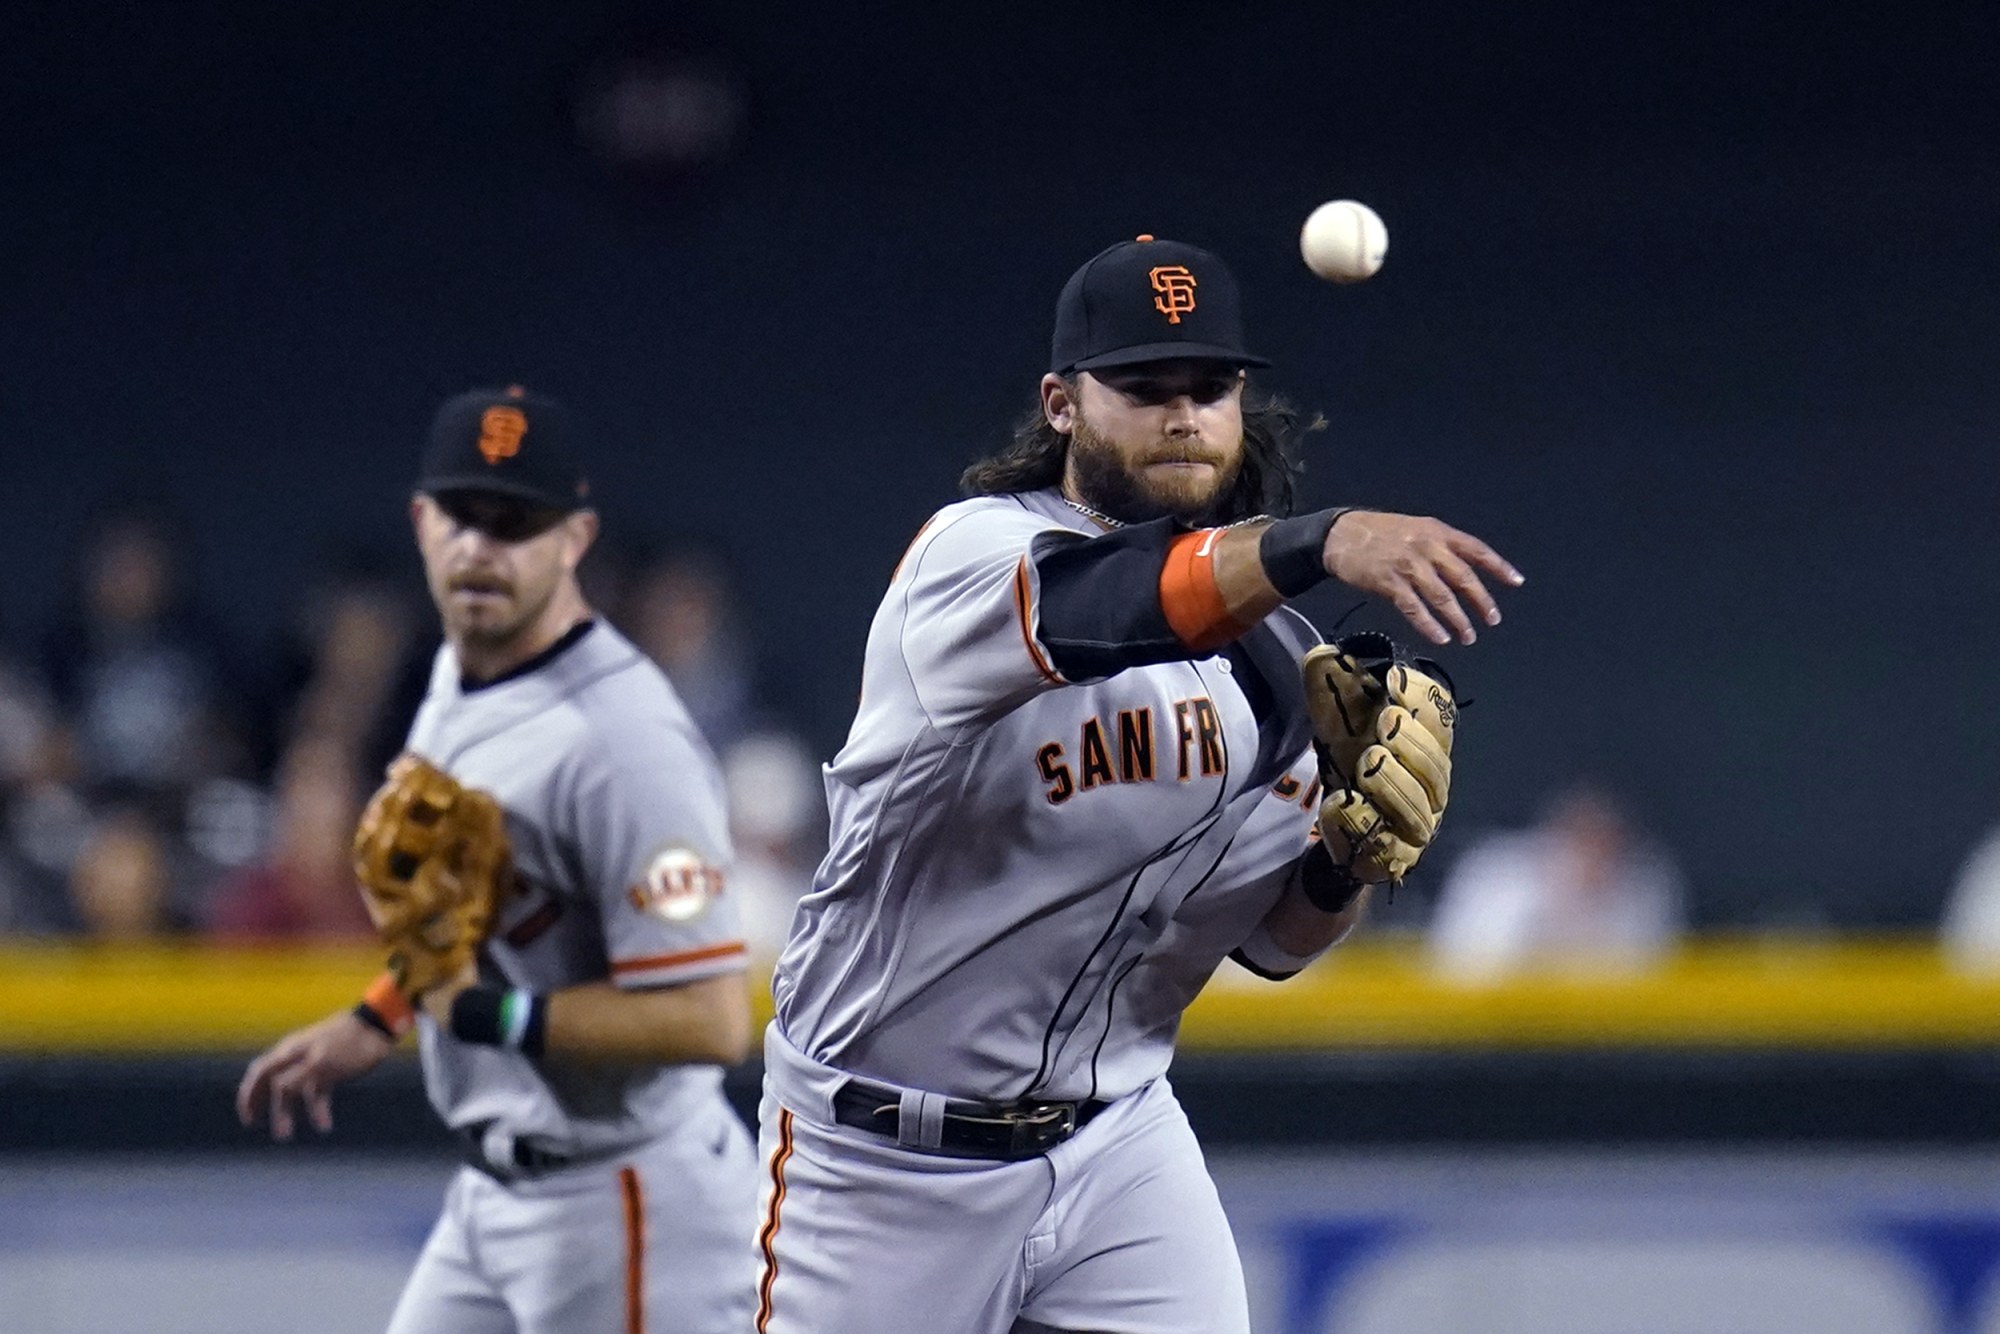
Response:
column 432, row 859
column 1383, row 726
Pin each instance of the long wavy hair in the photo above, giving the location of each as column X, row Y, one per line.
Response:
column 1272, row 429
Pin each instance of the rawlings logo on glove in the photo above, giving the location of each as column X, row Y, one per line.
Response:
column 432, row 858
column 1383, row 726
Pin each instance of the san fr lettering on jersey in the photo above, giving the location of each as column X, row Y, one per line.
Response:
column 1121, row 750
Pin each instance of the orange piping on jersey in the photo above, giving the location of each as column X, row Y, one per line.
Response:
column 1028, row 635
column 530, row 928
column 722, row 951
column 767, row 1237
column 635, row 1251
column 1189, row 595
column 904, row 559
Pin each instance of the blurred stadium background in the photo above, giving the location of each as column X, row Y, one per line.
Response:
column 1690, row 310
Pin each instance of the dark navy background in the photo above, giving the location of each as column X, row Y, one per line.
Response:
column 1694, row 314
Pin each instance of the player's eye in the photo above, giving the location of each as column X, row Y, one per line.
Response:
column 1153, row 393
column 1148, row 393
column 500, row 518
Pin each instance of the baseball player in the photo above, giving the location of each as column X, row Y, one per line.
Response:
column 1081, row 775
column 609, row 1186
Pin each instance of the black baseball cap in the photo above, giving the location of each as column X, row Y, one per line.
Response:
column 1149, row 300
column 507, row 441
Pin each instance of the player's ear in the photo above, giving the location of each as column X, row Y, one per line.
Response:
column 417, row 502
column 1059, row 403
column 582, row 528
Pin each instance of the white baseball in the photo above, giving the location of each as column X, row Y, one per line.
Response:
column 1344, row 241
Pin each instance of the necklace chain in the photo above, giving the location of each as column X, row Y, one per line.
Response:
column 1089, row 513
column 1110, row 522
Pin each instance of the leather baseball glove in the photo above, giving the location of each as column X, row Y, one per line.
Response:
column 432, row 858
column 1383, row 726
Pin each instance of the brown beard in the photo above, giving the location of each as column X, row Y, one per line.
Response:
column 527, row 610
column 1106, row 485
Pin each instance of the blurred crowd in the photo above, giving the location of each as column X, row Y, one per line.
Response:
column 1581, row 889
column 159, row 779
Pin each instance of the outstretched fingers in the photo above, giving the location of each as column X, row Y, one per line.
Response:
column 291, row 1085
column 1447, row 570
column 1405, row 598
column 279, row 1084
column 1467, row 547
column 319, row 1107
column 1465, row 581
column 1428, row 570
column 1443, row 602
column 253, row 1091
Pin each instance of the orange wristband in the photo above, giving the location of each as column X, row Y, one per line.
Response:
column 1189, row 595
column 388, row 1001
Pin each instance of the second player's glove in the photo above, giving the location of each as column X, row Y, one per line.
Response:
column 1382, row 725
column 432, row 858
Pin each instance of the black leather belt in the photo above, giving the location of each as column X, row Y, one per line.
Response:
column 1006, row 1132
column 528, row 1159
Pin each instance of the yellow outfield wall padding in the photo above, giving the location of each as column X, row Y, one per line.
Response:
column 112, row 999
column 152, row 998
column 1729, row 993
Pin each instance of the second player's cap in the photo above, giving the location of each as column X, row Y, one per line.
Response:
column 1149, row 300
column 507, row 441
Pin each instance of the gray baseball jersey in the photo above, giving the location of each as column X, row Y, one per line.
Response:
column 1030, row 878
column 615, row 821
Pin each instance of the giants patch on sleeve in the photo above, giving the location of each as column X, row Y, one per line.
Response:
column 677, row 886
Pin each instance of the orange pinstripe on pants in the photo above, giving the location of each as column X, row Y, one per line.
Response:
column 767, row 1237
column 635, row 1250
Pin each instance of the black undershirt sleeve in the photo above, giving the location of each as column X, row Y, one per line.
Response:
column 1101, row 595
column 1100, row 604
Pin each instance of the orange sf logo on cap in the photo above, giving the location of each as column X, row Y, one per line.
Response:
column 1175, row 286
column 500, row 432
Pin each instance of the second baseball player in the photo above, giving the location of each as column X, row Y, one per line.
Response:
column 609, row 1185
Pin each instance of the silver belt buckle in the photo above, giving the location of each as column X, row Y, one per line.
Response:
column 1025, row 1125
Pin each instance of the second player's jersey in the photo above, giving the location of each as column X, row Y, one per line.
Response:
column 615, row 821
column 1030, row 878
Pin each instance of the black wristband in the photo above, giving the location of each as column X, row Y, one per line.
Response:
column 475, row 1015
column 501, row 1017
column 370, row 1016
column 535, row 1031
column 1293, row 551
column 1328, row 886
